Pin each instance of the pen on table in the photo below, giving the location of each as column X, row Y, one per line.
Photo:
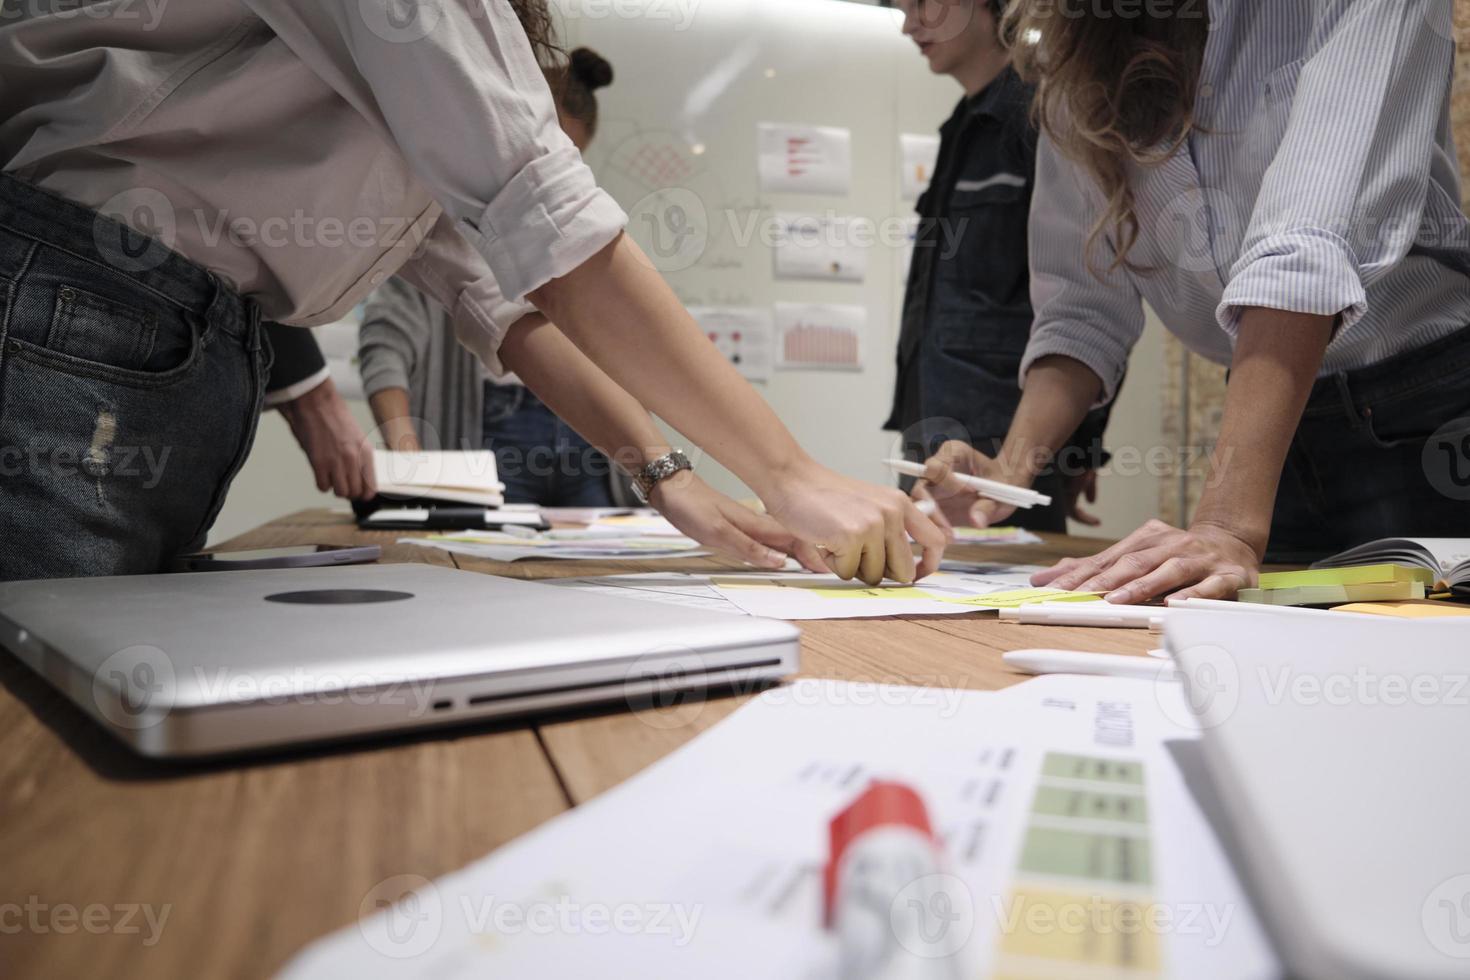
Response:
column 1231, row 605
column 1102, row 664
column 994, row 489
column 1086, row 614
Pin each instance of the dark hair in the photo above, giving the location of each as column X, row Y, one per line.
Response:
column 574, row 84
column 535, row 20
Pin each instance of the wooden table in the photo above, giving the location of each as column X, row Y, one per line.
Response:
column 251, row 860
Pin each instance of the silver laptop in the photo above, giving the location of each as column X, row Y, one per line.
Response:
column 1339, row 746
column 221, row 662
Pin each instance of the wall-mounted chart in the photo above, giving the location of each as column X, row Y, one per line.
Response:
column 820, row 336
column 918, row 153
column 814, row 246
column 745, row 335
column 805, row 159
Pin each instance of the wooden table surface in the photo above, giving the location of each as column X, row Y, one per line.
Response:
column 112, row 865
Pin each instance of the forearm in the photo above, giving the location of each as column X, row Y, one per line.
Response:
column 392, row 413
column 620, row 313
column 1059, row 392
column 1277, row 357
column 582, row 394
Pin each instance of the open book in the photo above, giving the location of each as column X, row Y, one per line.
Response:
column 460, row 477
column 1447, row 558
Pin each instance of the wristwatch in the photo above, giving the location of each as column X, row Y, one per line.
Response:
column 657, row 471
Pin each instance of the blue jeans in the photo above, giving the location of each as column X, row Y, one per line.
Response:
column 1382, row 451
column 541, row 459
column 131, row 381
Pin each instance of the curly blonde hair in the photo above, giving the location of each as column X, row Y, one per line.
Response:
column 1111, row 90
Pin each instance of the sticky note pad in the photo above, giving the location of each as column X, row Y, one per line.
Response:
column 1352, row 575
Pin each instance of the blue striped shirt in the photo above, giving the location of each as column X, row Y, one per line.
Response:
column 1322, row 180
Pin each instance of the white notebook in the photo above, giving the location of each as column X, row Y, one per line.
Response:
column 462, row 477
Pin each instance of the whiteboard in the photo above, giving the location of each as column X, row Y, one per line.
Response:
column 677, row 148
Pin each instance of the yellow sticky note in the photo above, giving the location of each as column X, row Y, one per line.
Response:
column 1020, row 597
column 1408, row 609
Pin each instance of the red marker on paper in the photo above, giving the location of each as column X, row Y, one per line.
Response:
column 897, row 914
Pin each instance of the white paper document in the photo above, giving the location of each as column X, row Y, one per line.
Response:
column 1077, row 836
column 825, row 247
column 820, row 336
column 807, row 596
column 796, row 159
column 745, row 335
column 591, row 546
column 918, row 153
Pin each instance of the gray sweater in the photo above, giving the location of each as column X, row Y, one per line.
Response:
column 407, row 341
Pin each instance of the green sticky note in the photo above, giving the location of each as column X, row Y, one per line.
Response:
column 1087, row 804
column 1092, row 768
column 1095, row 857
column 1352, row 575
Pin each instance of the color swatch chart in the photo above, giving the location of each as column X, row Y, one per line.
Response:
column 1081, row 902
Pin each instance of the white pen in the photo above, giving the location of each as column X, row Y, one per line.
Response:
column 1231, row 605
column 1102, row 664
column 994, row 489
column 1103, row 614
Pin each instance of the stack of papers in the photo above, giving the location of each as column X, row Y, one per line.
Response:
column 1077, row 832
column 1329, row 586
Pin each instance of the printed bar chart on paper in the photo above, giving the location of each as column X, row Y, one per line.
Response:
column 820, row 336
column 804, row 159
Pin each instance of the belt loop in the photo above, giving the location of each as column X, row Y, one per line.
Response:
column 253, row 329
column 1349, row 407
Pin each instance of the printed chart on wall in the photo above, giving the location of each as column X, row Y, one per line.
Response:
column 804, row 159
column 743, row 334
column 811, row 246
column 820, row 336
column 918, row 153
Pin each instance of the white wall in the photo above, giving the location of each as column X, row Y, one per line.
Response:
column 705, row 82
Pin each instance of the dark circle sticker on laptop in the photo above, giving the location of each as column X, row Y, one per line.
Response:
column 338, row 597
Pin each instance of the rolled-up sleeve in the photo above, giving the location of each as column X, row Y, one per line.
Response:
column 1344, row 196
column 1077, row 315
column 458, row 278
column 456, row 88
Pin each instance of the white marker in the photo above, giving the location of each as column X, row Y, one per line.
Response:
column 1102, row 664
column 1004, row 492
column 1103, row 614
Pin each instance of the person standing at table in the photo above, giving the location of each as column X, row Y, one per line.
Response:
column 1277, row 180
column 967, row 309
column 168, row 186
column 422, row 385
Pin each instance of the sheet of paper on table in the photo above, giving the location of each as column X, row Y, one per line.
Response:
column 1076, row 827
column 805, row 597
column 591, row 546
column 994, row 535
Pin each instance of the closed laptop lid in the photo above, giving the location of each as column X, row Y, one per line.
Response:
column 242, row 636
column 1341, row 747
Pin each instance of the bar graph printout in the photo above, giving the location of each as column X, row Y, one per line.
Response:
column 820, row 336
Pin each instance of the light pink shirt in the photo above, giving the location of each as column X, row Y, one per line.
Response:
column 305, row 150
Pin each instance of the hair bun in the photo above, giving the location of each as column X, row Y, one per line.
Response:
column 591, row 69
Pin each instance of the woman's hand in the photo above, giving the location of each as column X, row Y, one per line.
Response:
column 955, row 503
column 733, row 530
column 860, row 530
column 1208, row 562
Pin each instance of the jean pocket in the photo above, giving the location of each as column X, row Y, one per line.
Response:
column 100, row 337
column 502, row 401
column 97, row 328
column 1414, row 419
